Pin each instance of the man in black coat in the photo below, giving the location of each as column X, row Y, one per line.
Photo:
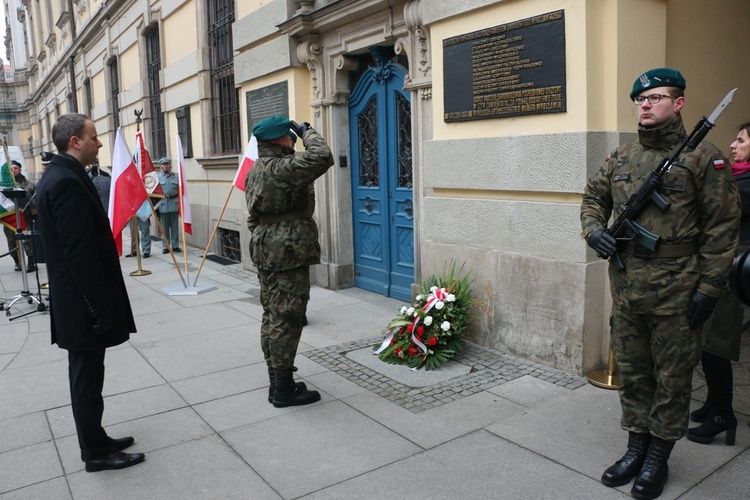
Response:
column 90, row 309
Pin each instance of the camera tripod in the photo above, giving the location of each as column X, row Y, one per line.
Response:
column 21, row 237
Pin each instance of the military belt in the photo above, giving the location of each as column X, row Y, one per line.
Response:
column 664, row 251
column 297, row 215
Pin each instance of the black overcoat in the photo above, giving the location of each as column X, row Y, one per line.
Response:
column 85, row 279
column 722, row 334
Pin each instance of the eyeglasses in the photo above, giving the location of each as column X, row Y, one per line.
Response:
column 652, row 99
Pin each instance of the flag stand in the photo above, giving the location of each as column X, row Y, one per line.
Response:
column 186, row 289
column 136, row 235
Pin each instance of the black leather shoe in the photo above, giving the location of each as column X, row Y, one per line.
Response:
column 120, row 444
column 146, row 255
column 166, row 250
column 625, row 469
column 31, row 268
column 304, row 320
column 128, row 255
column 177, row 250
column 116, row 444
column 272, row 386
column 114, row 460
column 16, row 268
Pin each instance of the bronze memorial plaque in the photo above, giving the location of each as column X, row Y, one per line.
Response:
column 512, row 69
column 267, row 101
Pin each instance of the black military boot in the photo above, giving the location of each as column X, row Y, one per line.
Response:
column 287, row 392
column 272, row 385
column 650, row 482
column 625, row 469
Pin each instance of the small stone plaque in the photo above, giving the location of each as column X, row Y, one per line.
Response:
column 512, row 69
column 267, row 101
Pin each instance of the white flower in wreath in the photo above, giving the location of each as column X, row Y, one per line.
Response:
column 403, row 310
column 427, row 320
column 419, row 298
column 450, row 298
column 433, row 288
column 445, row 326
column 439, row 305
column 410, row 311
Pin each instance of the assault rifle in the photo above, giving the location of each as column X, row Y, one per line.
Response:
column 625, row 228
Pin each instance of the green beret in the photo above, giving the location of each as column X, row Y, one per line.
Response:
column 658, row 77
column 272, row 128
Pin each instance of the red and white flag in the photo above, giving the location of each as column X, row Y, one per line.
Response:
column 248, row 160
column 146, row 167
column 184, row 205
column 126, row 193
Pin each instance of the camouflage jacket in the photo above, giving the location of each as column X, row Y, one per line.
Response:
column 280, row 185
column 704, row 210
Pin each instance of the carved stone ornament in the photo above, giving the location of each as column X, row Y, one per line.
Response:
column 416, row 47
column 305, row 6
column 308, row 53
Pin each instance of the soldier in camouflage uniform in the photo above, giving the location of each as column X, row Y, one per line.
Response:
column 662, row 297
column 280, row 202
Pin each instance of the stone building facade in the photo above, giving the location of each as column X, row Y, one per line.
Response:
column 411, row 189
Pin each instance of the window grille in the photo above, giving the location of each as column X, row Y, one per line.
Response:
column 89, row 97
column 224, row 95
column 153, row 63
column 114, row 80
column 229, row 243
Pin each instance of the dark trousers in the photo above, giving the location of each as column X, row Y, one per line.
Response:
column 719, row 380
column 86, row 374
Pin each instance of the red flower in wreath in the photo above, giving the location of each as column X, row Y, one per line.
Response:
column 431, row 341
column 393, row 340
column 413, row 351
column 410, row 327
column 420, row 331
column 398, row 351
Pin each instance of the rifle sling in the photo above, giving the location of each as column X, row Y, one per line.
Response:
column 664, row 251
column 296, row 215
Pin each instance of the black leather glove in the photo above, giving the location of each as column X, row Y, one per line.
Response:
column 102, row 324
column 700, row 308
column 299, row 129
column 603, row 242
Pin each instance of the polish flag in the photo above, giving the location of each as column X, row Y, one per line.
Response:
column 146, row 167
column 184, row 205
column 248, row 160
column 126, row 192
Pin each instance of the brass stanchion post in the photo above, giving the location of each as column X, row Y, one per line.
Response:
column 609, row 378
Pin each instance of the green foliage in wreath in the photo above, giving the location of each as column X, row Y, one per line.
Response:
column 430, row 332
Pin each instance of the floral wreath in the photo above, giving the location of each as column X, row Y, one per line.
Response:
column 430, row 332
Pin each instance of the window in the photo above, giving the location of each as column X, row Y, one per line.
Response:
column 153, row 67
column 224, row 96
column 88, row 96
column 114, row 81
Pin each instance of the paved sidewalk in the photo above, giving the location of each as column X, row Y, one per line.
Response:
column 191, row 386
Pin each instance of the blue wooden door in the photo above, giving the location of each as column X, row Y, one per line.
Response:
column 380, row 133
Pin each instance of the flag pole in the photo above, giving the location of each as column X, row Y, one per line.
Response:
column 213, row 234
column 166, row 242
column 182, row 217
column 135, row 231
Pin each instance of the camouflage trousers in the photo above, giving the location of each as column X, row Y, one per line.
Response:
column 284, row 296
column 10, row 235
column 655, row 357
